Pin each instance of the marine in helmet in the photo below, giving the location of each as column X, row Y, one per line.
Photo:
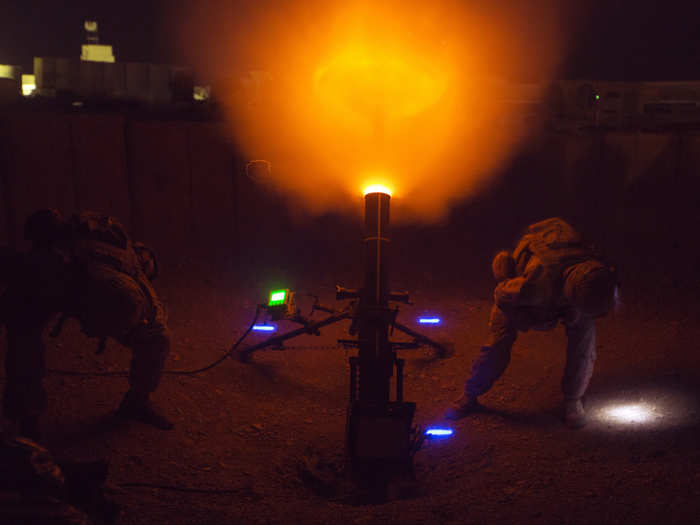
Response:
column 34, row 488
column 552, row 276
column 87, row 268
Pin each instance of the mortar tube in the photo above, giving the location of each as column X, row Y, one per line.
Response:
column 376, row 358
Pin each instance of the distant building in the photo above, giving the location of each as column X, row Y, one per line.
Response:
column 97, row 76
column 93, row 51
column 133, row 81
column 28, row 85
column 202, row 93
column 625, row 104
column 10, row 83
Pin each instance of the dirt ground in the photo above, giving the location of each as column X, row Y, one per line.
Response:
column 251, row 428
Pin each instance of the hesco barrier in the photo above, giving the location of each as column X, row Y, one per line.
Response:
column 180, row 187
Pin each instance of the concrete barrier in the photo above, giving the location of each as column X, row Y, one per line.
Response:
column 549, row 182
column 690, row 157
column 619, row 153
column 658, row 156
column 582, row 173
column 534, row 181
column 137, row 81
column 688, row 195
column 91, row 79
column 652, row 186
column 115, row 80
column 159, row 84
column 67, row 74
column 619, row 160
column 582, row 156
column 10, row 90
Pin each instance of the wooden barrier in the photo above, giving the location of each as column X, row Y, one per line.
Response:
column 180, row 187
column 100, row 165
column 160, row 185
column 39, row 167
column 4, row 205
column 212, row 174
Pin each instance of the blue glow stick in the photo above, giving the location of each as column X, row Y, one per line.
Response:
column 264, row 328
column 429, row 320
column 439, row 432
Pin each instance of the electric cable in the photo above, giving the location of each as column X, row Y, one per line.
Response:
column 178, row 488
column 115, row 373
column 175, row 488
column 71, row 373
column 226, row 355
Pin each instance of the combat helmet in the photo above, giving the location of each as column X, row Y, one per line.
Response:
column 45, row 226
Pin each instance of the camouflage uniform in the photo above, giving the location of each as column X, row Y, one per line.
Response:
column 117, row 299
column 531, row 295
column 34, row 488
column 94, row 275
column 38, row 287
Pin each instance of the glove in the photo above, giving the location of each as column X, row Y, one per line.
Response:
column 147, row 260
column 503, row 266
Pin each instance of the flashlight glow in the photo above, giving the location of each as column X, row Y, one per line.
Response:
column 264, row 328
column 439, row 432
column 639, row 413
column 429, row 320
column 648, row 407
column 377, row 188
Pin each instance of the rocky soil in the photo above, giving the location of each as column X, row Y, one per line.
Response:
column 270, row 433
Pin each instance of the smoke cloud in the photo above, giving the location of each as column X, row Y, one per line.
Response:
column 337, row 95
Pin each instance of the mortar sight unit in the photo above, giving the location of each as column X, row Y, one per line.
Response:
column 380, row 435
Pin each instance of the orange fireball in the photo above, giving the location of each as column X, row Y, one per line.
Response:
column 331, row 91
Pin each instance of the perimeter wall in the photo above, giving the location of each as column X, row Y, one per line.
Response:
column 180, row 187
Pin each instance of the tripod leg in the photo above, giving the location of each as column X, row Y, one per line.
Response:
column 245, row 354
column 444, row 349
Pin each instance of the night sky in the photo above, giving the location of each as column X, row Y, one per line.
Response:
column 613, row 39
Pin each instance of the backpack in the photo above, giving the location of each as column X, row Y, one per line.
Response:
column 98, row 239
column 555, row 242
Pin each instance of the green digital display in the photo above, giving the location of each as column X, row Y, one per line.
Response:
column 277, row 297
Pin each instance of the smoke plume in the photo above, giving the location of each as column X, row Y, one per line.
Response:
column 337, row 95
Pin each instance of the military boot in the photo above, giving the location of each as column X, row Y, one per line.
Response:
column 139, row 408
column 462, row 407
column 574, row 414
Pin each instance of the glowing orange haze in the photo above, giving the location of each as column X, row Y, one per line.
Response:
column 394, row 93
